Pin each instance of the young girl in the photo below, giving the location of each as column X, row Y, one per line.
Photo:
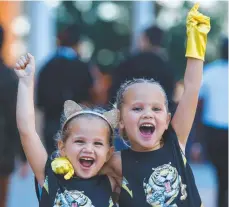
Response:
column 85, row 144
column 154, row 171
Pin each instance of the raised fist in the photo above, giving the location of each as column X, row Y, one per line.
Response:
column 198, row 26
column 25, row 66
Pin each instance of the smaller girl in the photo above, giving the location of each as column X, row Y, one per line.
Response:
column 84, row 143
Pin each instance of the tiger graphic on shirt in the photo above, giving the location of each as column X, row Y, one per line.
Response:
column 163, row 186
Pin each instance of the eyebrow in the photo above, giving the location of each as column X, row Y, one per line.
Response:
column 99, row 140
column 82, row 137
column 78, row 137
column 141, row 102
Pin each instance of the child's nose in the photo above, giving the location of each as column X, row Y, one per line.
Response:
column 148, row 114
column 88, row 149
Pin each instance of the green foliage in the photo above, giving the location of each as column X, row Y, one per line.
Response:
column 103, row 34
column 175, row 37
column 115, row 36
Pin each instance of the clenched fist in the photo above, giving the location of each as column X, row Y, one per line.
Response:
column 25, row 67
column 198, row 27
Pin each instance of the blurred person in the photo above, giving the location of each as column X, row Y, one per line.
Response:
column 151, row 40
column 64, row 77
column 149, row 62
column 9, row 136
column 213, row 119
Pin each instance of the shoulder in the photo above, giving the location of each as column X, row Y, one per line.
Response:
column 172, row 138
column 115, row 160
column 113, row 167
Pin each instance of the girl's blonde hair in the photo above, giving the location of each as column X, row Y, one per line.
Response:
column 124, row 87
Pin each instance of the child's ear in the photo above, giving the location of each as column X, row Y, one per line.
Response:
column 110, row 153
column 168, row 120
column 61, row 148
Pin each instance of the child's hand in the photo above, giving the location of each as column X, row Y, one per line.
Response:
column 198, row 27
column 25, row 67
column 62, row 166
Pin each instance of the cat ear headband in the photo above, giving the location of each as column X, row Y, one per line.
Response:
column 72, row 109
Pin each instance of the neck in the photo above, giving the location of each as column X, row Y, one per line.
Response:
column 136, row 147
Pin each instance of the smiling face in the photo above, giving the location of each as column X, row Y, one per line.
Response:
column 144, row 116
column 87, row 145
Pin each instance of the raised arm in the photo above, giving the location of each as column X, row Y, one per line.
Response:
column 198, row 27
column 32, row 145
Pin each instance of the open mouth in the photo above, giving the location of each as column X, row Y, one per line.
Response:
column 147, row 129
column 86, row 161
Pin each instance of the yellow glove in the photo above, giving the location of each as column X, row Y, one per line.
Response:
column 198, row 27
column 62, row 166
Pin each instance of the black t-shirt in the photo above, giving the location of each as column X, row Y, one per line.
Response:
column 158, row 178
column 76, row 192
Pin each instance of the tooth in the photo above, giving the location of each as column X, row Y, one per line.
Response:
column 147, row 125
column 85, row 158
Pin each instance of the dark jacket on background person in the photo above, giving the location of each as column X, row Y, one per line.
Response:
column 9, row 135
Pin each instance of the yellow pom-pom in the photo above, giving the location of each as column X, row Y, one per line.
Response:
column 62, row 166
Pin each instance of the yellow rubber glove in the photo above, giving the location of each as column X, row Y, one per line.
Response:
column 198, row 27
column 62, row 166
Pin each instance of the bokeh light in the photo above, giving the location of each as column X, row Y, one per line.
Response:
column 108, row 11
column 174, row 4
column 20, row 26
column 86, row 49
column 53, row 3
column 105, row 57
column 83, row 6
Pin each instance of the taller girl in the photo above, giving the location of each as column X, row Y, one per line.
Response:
column 154, row 171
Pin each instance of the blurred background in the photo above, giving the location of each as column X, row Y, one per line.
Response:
column 108, row 39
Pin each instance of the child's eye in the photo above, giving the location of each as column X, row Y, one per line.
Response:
column 99, row 143
column 137, row 109
column 79, row 141
column 156, row 109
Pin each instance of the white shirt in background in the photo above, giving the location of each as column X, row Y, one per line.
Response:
column 214, row 93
